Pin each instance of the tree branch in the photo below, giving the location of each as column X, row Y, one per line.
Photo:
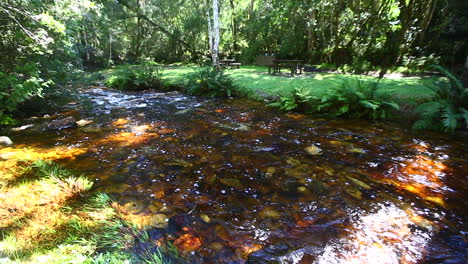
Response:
column 159, row 27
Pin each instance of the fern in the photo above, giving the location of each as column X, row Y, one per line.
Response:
column 450, row 118
column 210, row 82
column 447, row 112
column 456, row 83
column 355, row 99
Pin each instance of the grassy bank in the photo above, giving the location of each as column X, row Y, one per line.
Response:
column 50, row 215
column 255, row 79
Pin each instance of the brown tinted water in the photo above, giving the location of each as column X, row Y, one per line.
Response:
column 234, row 181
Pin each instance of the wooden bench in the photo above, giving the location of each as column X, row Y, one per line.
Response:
column 295, row 66
column 235, row 65
column 229, row 63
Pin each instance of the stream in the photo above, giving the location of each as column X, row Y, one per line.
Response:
column 235, row 181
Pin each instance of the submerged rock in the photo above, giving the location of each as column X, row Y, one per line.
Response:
column 16, row 129
column 269, row 212
column 235, row 183
column 205, row 218
column 270, row 171
column 82, row 122
column 158, row 221
column 359, row 183
column 356, row 150
column 354, row 193
column 183, row 112
column 64, row 123
column 133, row 207
column 5, row 141
column 91, row 129
column 243, row 127
column 313, row 150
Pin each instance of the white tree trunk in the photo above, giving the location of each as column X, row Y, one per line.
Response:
column 215, row 51
column 210, row 30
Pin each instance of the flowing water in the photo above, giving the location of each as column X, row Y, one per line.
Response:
column 234, row 181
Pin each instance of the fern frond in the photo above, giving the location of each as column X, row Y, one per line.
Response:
column 429, row 110
column 454, row 80
column 392, row 105
column 374, row 105
column 450, row 118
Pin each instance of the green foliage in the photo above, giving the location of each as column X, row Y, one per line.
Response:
column 210, row 82
column 16, row 88
column 286, row 103
column 448, row 110
column 148, row 76
column 354, row 98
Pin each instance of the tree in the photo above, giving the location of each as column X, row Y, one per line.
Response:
column 213, row 32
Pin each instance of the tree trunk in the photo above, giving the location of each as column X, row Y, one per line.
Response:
column 251, row 9
column 215, row 53
column 465, row 73
column 234, row 26
column 138, row 32
column 210, row 30
column 85, row 39
column 110, row 50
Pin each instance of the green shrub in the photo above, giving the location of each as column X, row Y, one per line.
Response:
column 448, row 110
column 16, row 88
column 286, row 103
column 210, row 82
column 148, row 76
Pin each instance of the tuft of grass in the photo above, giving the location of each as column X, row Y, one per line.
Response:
column 166, row 254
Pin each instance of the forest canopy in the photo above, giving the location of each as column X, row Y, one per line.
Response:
column 44, row 42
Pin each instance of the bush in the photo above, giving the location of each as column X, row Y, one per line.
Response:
column 210, row 82
column 448, row 110
column 148, row 76
column 16, row 88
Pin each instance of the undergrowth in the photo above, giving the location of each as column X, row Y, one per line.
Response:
column 210, row 82
column 148, row 76
column 354, row 98
column 448, row 110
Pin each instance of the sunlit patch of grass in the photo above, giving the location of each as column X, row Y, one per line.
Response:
column 53, row 218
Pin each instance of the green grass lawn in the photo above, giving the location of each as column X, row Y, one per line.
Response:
column 254, row 79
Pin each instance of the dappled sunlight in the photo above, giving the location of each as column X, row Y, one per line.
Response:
column 420, row 175
column 33, row 213
column 12, row 158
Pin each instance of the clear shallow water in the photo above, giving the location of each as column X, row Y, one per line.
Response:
column 233, row 181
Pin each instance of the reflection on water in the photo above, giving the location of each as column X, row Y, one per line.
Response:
column 385, row 236
column 233, row 181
